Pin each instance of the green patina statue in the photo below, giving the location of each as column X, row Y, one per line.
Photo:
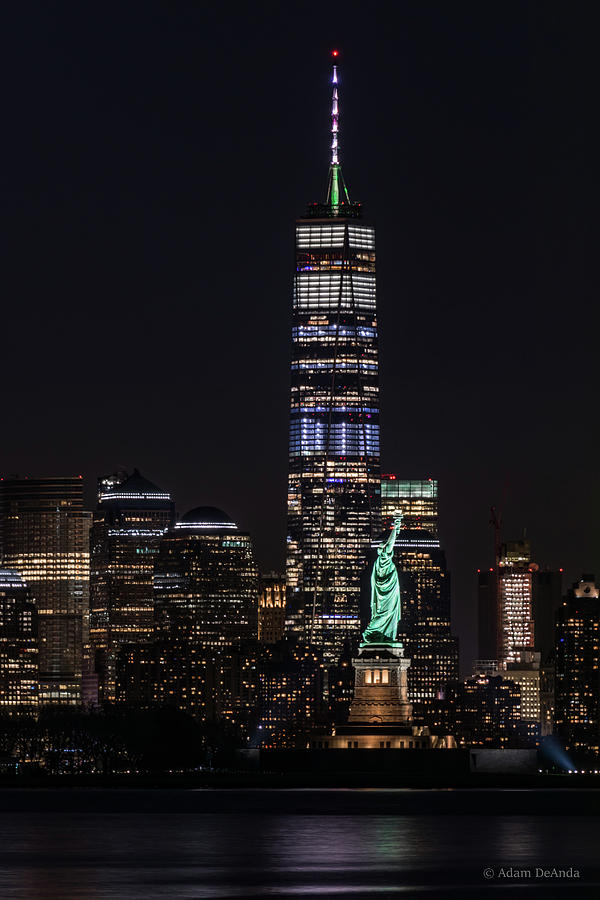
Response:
column 385, row 594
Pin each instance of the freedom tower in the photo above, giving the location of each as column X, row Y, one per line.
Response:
column 334, row 476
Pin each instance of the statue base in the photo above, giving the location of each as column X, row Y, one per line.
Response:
column 392, row 646
column 380, row 685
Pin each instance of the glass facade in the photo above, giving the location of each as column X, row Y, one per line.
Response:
column 206, row 616
column 45, row 538
column 425, row 627
column 515, row 595
column 577, row 684
column 416, row 500
column 334, row 480
column 333, row 496
column 131, row 518
column 206, row 581
column 18, row 645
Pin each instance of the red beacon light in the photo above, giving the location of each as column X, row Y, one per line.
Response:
column 335, row 52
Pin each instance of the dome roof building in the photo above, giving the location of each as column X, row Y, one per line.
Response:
column 206, row 580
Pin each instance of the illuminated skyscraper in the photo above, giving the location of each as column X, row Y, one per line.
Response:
column 18, row 645
column 206, row 580
column 515, row 600
column 577, row 686
column 206, row 615
column 416, row 500
column 45, row 538
column 425, row 626
column 131, row 517
column 334, row 486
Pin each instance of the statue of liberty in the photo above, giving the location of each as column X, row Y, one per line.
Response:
column 385, row 594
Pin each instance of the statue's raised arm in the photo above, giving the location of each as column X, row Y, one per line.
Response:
column 388, row 547
column 385, row 593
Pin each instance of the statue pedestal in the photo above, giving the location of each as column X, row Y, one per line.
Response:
column 380, row 686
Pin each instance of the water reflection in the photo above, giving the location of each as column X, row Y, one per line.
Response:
column 249, row 853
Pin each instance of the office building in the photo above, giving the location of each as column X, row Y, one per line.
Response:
column 45, row 538
column 291, row 685
column 486, row 711
column 19, row 670
column 526, row 674
column 415, row 500
column 271, row 608
column 131, row 517
column 334, row 478
column 505, row 604
column 425, row 626
column 515, row 598
column 517, row 605
column 206, row 617
column 206, row 580
column 577, row 684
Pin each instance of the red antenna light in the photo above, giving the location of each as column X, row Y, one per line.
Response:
column 335, row 52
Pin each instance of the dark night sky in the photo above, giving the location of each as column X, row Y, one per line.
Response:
column 155, row 156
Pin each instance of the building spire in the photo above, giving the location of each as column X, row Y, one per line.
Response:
column 337, row 193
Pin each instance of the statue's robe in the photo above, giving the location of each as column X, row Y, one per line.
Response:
column 385, row 597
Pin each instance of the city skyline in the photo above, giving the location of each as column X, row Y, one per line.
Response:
column 299, row 562
column 139, row 232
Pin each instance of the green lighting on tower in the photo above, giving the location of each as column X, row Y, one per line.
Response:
column 337, row 185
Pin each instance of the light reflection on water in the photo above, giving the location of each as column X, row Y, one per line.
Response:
column 121, row 856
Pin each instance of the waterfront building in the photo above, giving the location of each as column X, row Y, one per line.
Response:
column 577, row 684
column 486, row 710
column 547, row 689
column 130, row 519
column 45, row 538
column 525, row 673
column 19, row 670
column 533, row 682
column 340, row 680
column 271, row 608
column 291, row 684
column 334, row 477
column 415, row 499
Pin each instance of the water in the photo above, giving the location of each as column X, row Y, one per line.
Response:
column 95, row 845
